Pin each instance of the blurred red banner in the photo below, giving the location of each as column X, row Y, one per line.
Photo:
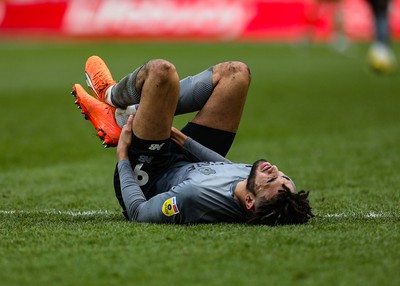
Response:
column 191, row 19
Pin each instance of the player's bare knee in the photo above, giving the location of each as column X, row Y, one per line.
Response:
column 234, row 71
column 162, row 70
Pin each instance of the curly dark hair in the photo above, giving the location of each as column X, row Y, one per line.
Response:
column 284, row 208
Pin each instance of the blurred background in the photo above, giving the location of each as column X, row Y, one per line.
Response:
column 337, row 23
column 257, row 20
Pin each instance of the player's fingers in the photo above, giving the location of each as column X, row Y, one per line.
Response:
column 128, row 125
column 130, row 119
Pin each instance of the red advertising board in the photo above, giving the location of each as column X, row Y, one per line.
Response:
column 189, row 19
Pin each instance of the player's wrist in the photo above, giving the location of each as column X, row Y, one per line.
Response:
column 122, row 152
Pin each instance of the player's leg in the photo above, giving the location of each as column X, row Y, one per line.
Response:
column 223, row 109
column 156, row 86
column 380, row 11
column 157, row 83
column 219, row 94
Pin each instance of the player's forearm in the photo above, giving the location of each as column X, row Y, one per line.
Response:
column 131, row 193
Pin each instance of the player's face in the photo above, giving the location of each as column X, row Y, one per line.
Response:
column 266, row 179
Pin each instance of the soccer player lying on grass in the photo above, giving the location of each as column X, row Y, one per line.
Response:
column 164, row 175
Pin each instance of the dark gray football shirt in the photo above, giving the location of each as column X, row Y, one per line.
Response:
column 188, row 193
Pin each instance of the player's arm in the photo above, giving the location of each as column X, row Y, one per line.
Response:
column 161, row 208
column 131, row 192
column 197, row 151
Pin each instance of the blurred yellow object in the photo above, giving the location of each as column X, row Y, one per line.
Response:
column 381, row 58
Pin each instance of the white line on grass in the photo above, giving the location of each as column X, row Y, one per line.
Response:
column 59, row 212
column 108, row 212
column 365, row 215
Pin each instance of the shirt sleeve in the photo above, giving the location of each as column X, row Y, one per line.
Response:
column 131, row 193
column 138, row 208
column 201, row 153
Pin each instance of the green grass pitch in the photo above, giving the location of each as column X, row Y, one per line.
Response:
column 323, row 117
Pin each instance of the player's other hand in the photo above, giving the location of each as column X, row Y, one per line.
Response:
column 125, row 140
column 178, row 137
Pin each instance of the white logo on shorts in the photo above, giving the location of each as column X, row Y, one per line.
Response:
column 154, row 147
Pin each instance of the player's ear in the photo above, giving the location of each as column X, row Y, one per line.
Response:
column 249, row 201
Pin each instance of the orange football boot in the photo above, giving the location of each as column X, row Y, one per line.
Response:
column 100, row 114
column 98, row 77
